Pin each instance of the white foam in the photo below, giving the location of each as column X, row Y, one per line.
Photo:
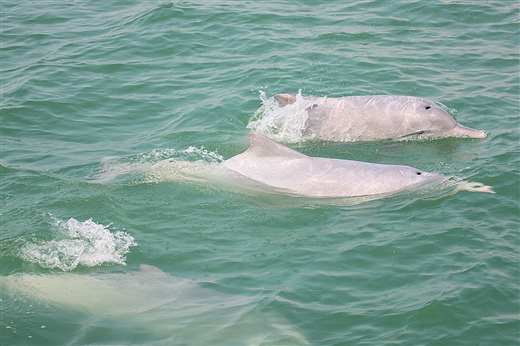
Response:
column 189, row 154
column 282, row 124
column 112, row 167
column 84, row 243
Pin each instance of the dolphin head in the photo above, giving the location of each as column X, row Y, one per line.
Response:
column 433, row 121
column 404, row 177
column 416, row 176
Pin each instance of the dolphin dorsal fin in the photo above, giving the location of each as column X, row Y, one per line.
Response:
column 285, row 99
column 149, row 269
column 262, row 146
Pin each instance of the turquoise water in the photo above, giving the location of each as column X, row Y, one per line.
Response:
column 86, row 83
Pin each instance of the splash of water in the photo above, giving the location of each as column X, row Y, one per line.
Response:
column 84, row 243
column 282, row 124
column 189, row 154
column 112, row 167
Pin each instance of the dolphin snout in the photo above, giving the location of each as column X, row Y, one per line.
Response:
column 463, row 131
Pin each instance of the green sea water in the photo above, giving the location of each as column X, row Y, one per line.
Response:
column 86, row 83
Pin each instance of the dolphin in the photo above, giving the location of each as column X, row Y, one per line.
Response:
column 270, row 167
column 175, row 310
column 371, row 118
column 275, row 165
column 96, row 294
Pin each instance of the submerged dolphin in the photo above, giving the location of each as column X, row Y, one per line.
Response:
column 275, row 165
column 177, row 311
column 95, row 294
column 372, row 118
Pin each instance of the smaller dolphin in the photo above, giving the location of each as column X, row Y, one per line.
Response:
column 372, row 118
column 275, row 165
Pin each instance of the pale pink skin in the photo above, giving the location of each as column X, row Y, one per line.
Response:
column 275, row 165
column 379, row 117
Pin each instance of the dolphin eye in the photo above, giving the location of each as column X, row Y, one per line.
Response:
column 419, row 173
column 427, row 107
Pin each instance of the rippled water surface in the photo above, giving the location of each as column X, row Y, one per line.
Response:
column 95, row 95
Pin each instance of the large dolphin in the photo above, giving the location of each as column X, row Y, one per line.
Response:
column 175, row 310
column 270, row 167
column 275, row 165
column 372, row 118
